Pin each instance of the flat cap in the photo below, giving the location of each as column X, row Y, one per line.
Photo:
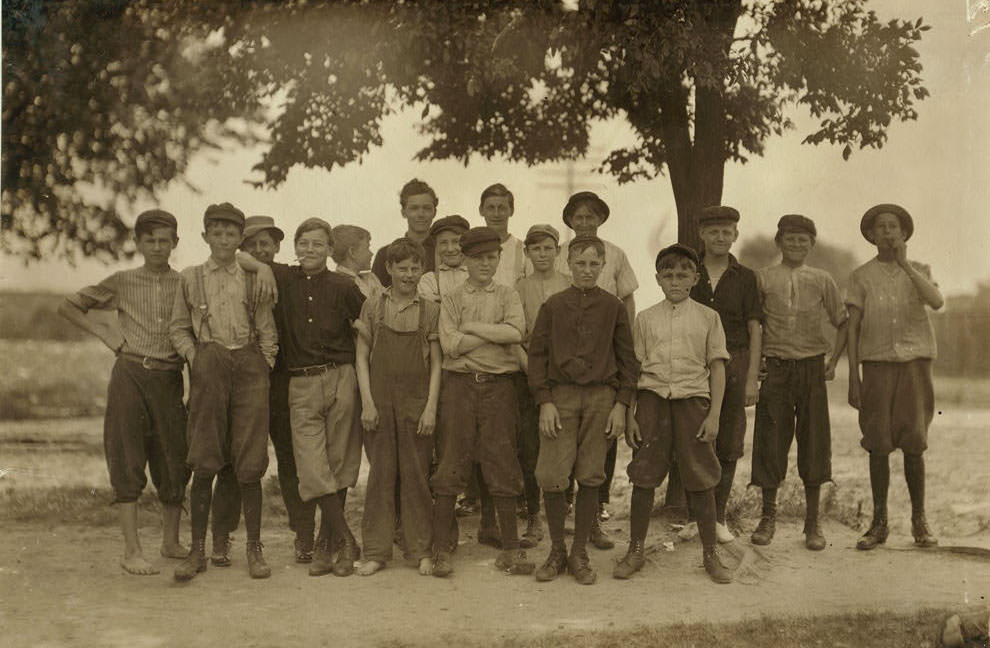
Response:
column 866, row 225
column 581, row 197
column 453, row 222
column 224, row 212
column 541, row 231
column 796, row 223
column 678, row 249
column 717, row 214
column 255, row 224
column 155, row 218
column 479, row 240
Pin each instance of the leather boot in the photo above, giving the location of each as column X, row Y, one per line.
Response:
column 257, row 567
column 632, row 562
column 194, row 563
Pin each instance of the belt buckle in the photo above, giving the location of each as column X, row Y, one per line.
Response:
column 146, row 362
column 479, row 378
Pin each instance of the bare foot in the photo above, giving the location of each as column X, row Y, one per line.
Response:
column 174, row 551
column 369, row 567
column 425, row 566
column 138, row 566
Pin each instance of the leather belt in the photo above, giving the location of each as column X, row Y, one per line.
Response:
column 315, row 370
column 152, row 363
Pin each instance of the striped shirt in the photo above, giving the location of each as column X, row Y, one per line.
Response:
column 226, row 320
column 143, row 301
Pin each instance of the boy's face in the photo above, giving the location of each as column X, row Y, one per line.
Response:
column 887, row 231
column 795, row 246
column 405, row 275
column 481, row 268
column 419, row 212
column 223, row 238
column 313, row 248
column 496, row 211
column 677, row 282
column 585, row 267
column 362, row 255
column 449, row 248
column 584, row 221
column 262, row 246
column 543, row 254
column 156, row 246
column 719, row 237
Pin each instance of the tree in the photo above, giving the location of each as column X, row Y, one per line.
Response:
column 104, row 102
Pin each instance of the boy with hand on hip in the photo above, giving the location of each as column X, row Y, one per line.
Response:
column 582, row 372
column 797, row 300
column 891, row 336
column 681, row 347
column 145, row 420
column 398, row 370
column 230, row 342
column 480, row 323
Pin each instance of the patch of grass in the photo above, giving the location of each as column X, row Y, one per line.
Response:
column 877, row 629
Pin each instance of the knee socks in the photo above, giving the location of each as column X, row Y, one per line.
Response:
column 585, row 513
column 556, row 509
column 879, row 482
column 200, row 496
column 723, row 489
column 703, row 505
column 770, row 502
column 640, row 509
column 812, row 495
column 914, row 474
column 333, row 525
column 251, row 503
column 505, row 508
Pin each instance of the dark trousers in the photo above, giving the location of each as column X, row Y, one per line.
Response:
column 793, row 404
column 528, row 441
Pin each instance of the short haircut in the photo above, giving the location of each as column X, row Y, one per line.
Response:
column 313, row 224
column 675, row 260
column 539, row 237
column 404, row 248
column 497, row 190
column 346, row 237
column 214, row 222
column 581, row 243
column 416, row 187
column 150, row 227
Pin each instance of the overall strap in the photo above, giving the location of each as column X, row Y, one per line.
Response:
column 378, row 319
column 201, row 303
column 251, row 303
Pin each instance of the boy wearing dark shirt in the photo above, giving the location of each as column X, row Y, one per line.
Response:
column 582, row 372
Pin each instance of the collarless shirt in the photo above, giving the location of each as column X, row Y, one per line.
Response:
column 796, row 304
column 367, row 282
column 492, row 304
column 617, row 275
column 379, row 266
column 736, row 299
column 676, row 345
column 895, row 325
column 433, row 285
column 316, row 313
column 582, row 337
column 226, row 319
column 143, row 300
column 511, row 263
column 534, row 291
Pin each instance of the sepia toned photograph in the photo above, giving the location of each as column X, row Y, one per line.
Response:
column 512, row 323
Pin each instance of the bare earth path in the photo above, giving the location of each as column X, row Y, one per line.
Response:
column 62, row 586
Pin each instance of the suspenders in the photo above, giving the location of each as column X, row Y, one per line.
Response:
column 204, row 308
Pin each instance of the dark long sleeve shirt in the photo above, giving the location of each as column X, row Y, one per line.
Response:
column 736, row 299
column 582, row 337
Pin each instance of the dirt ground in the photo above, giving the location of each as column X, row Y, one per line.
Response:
column 61, row 586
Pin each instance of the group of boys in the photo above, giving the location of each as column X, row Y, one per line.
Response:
column 467, row 355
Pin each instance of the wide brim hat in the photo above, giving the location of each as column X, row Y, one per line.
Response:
column 585, row 196
column 866, row 224
column 255, row 224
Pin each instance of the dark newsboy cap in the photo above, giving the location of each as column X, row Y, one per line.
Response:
column 224, row 212
column 678, row 249
column 479, row 240
column 454, row 222
column 866, row 225
column 155, row 218
column 796, row 223
column 717, row 214
column 585, row 196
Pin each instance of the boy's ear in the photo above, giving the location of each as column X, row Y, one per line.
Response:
column 697, row 277
column 204, row 237
column 657, row 275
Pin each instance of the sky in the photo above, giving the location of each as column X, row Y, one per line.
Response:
column 937, row 167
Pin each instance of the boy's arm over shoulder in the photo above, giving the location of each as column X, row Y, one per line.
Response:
column 267, row 333
column 625, row 356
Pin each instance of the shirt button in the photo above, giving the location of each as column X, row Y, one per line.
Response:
column 310, row 298
column 310, row 320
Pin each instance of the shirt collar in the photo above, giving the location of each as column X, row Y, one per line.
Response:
column 213, row 266
column 387, row 294
column 444, row 266
column 347, row 271
column 471, row 288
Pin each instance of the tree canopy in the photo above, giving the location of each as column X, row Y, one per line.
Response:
column 700, row 82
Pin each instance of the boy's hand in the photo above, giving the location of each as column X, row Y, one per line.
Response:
column 264, row 285
column 830, row 371
column 616, row 425
column 900, row 251
column 467, row 328
column 549, row 420
column 854, row 394
column 709, row 428
column 752, row 391
column 427, row 422
column 369, row 416
column 633, row 436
